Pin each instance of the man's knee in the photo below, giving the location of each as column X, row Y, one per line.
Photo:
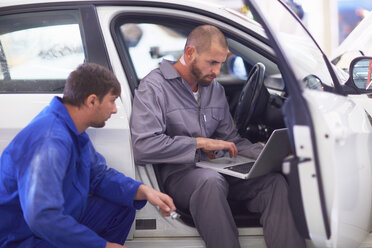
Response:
column 279, row 182
column 120, row 225
column 209, row 199
column 111, row 221
column 276, row 180
column 212, row 182
column 277, row 188
column 127, row 213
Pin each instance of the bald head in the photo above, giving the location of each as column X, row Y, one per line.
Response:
column 203, row 36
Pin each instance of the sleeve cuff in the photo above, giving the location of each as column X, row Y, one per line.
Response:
column 138, row 204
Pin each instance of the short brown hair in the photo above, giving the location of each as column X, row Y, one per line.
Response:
column 202, row 36
column 87, row 79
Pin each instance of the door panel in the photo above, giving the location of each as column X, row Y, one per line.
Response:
column 330, row 133
column 309, row 184
column 343, row 136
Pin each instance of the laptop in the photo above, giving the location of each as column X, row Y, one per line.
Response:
column 270, row 159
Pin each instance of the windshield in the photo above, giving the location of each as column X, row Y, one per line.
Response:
column 298, row 48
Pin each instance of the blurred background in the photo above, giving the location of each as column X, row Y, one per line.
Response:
column 329, row 21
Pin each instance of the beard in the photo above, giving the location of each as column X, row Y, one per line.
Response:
column 202, row 80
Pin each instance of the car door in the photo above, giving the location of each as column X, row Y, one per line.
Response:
column 138, row 39
column 39, row 46
column 331, row 135
column 35, row 61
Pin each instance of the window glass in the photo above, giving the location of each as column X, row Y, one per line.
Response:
column 148, row 44
column 301, row 52
column 39, row 50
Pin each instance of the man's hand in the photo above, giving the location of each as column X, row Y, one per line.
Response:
column 210, row 145
column 114, row 245
column 156, row 198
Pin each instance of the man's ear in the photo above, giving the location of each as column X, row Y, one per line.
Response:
column 190, row 54
column 91, row 100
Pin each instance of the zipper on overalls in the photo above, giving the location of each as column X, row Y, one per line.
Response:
column 200, row 122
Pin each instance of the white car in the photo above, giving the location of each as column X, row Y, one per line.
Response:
column 330, row 174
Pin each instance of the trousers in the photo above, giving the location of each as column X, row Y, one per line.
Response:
column 205, row 193
column 111, row 221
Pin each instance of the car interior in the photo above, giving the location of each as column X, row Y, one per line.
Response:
column 249, row 78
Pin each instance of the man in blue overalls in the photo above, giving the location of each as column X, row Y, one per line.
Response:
column 55, row 189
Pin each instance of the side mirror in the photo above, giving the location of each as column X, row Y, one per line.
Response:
column 361, row 72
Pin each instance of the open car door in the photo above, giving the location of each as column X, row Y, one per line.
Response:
column 331, row 135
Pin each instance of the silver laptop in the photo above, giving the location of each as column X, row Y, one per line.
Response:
column 270, row 159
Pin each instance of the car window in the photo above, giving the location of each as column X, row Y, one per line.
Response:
column 146, row 52
column 38, row 50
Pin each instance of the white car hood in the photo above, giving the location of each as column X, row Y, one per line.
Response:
column 357, row 43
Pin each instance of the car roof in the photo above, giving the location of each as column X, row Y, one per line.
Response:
column 213, row 8
column 195, row 3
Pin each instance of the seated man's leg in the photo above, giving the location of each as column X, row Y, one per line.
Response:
column 268, row 195
column 110, row 221
column 204, row 193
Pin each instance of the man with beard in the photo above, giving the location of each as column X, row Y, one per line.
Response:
column 55, row 189
column 180, row 115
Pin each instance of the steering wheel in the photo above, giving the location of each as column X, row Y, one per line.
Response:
column 253, row 99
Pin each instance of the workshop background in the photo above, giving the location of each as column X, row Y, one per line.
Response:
column 329, row 21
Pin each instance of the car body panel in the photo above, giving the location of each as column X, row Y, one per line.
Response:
column 299, row 119
column 343, row 126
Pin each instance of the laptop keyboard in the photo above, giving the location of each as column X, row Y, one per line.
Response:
column 241, row 168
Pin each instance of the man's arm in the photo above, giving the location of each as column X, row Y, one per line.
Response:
column 227, row 131
column 156, row 198
column 210, row 145
column 116, row 187
column 148, row 126
column 110, row 184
